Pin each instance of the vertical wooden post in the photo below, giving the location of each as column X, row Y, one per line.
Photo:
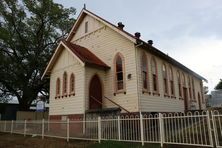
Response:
column 43, row 128
column 25, row 128
column 12, row 127
column 5, row 126
column 118, row 122
column 67, row 129
column 161, row 126
column 99, row 129
column 209, row 129
column 141, row 129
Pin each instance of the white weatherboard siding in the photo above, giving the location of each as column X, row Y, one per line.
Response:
column 152, row 103
column 93, row 25
column 106, row 43
column 67, row 105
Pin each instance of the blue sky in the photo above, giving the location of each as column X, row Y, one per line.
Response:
column 190, row 31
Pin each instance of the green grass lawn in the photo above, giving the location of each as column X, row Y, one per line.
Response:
column 117, row 144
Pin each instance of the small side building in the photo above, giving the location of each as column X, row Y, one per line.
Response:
column 215, row 98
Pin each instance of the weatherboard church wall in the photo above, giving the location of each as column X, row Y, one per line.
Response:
column 70, row 104
column 106, row 43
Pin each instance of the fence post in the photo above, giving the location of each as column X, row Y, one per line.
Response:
column 141, row 129
column 12, row 126
column 209, row 128
column 48, row 124
column 99, row 129
column 67, row 130
column 161, row 129
column 118, row 120
column 43, row 127
column 25, row 128
column 215, row 129
column 5, row 126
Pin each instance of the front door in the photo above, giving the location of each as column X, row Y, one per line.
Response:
column 185, row 99
column 95, row 93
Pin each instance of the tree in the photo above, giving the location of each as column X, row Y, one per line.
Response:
column 219, row 85
column 29, row 31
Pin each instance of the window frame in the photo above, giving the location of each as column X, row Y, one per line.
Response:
column 172, row 87
column 165, row 79
column 65, row 82
column 72, row 84
column 194, row 91
column 144, row 63
column 58, row 85
column 86, row 27
column 179, row 84
column 116, row 90
column 190, row 88
column 153, row 61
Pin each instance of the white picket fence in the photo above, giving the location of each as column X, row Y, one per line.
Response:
column 197, row 129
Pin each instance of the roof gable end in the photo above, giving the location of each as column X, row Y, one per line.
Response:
column 85, row 12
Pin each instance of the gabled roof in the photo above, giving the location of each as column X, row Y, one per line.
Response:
column 169, row 59
column 132, row 38
column 82, row 54
column 96, row 61
column 85, row 55
column 85, row 12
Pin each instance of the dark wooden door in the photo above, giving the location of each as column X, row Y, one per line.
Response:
column 185, row 99
column 95, row 93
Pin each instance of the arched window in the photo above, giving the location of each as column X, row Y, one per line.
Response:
column 64, row 83
column 199, row 100
column 179, row 84
column 119, row 73
column 183, row 80
column 57, row 87
column 72, row 84
column 194, row 96
column 201, row 91
column 171, row 81
column 144, row 71
column 154, row 75
column 189, row 87
column 165, row 79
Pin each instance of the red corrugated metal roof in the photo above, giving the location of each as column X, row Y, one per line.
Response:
column 85, row 55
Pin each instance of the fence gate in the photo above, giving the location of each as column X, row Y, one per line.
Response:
column 187, row 129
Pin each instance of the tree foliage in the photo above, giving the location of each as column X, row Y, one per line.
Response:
column 219, row 85
column 29, row 31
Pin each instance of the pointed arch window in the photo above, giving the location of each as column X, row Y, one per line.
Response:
column 194, row 95
column 154, row 74
column 179, row 84
column 189, row 87
column 165, row 79
column 72, row 84
column 144, row 68
column 171, row 81
column 57, row 87
column 119, row 73
column 65, row 83
column 201, row 91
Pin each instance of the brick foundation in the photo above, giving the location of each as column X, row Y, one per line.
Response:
column 71, row 117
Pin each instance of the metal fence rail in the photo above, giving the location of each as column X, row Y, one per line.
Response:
column 198, row 129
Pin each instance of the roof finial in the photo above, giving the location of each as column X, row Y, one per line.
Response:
column 84, row 6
